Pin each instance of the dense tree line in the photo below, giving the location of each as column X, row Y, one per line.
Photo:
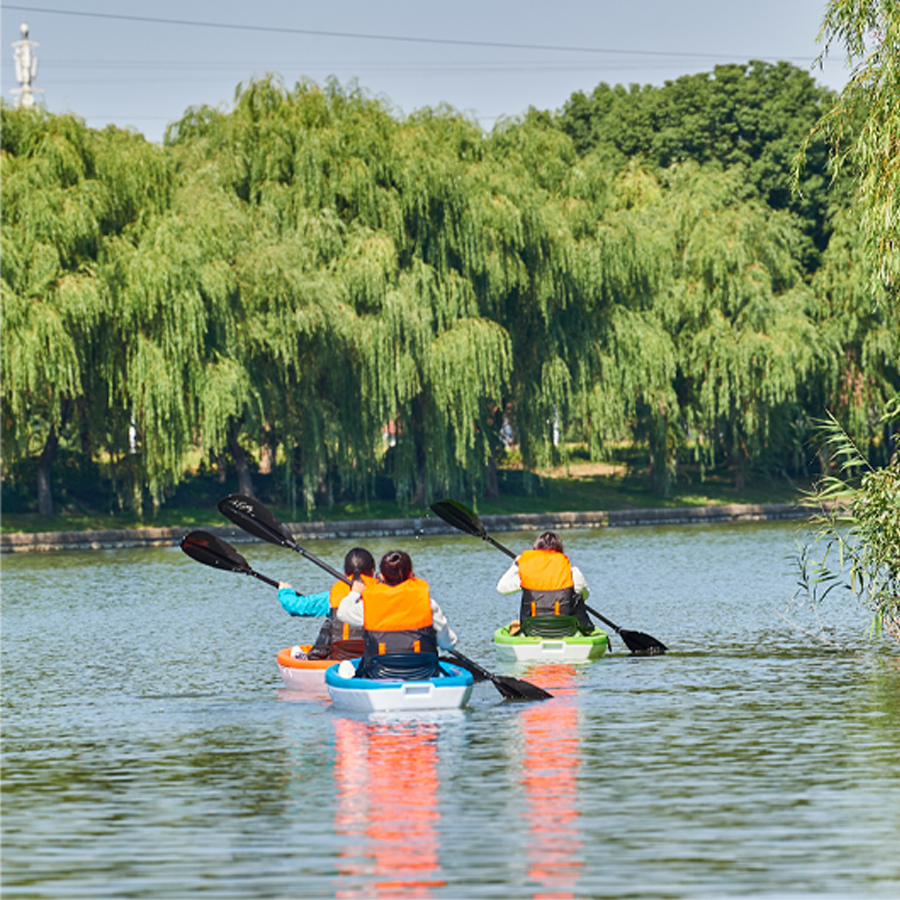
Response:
column 281, row 283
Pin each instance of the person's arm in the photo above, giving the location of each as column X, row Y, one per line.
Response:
column 579, row 583
column 509, row 582
column 351, row 609
column 295, row 604
column 446, row 637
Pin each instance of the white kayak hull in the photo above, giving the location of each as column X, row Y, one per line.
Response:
column 577, row 648
column 302, row 674
column 383, row 695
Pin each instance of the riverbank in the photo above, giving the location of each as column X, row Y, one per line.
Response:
column 305, row 531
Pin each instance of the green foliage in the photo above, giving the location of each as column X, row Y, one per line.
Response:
column 307, row 270
column 862, row 126
column 859, row 539
column 69, row 193
column 753, row 116
column 857, row 302
column 863, row 368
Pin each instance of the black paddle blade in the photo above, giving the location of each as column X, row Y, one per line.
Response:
column 510, row 688
column 516, row 689
column 459, row 516
column 212, row 551
column 255, row 519
column 638, row 642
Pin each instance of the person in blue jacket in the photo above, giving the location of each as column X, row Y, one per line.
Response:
column 358, row 563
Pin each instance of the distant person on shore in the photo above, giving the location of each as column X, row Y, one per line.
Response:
column 403, row 625
column 550, row 586
column 336, row 639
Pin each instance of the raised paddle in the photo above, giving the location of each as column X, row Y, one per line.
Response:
column 253, row 517
column 213, row 551
column 461, row 517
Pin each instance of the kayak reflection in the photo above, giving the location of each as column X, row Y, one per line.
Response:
column 552, row 756
column 386, row 786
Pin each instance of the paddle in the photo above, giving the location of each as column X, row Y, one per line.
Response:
column 461, row 517
column 212, row 551
column 253, row 517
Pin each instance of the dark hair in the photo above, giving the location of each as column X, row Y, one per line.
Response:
column 359, row 562
column 396, row 566
column 549, row 540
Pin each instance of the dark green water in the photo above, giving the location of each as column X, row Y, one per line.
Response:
column 149, row 749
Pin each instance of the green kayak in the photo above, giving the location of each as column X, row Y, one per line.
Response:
column 572, row 648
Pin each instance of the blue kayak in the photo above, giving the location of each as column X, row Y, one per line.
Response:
column 449, row 691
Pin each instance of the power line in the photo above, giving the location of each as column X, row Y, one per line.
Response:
column 449, row 65
column 270, row 29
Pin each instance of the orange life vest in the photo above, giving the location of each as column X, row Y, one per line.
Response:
column 547, row 585
column 398, row 619
column 342, row 631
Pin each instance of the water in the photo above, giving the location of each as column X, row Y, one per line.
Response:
column 150, row 750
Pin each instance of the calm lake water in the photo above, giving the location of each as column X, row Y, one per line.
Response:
column 149, row 749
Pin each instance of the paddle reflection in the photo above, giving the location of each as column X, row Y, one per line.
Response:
column 386, row 786
column 550, row 779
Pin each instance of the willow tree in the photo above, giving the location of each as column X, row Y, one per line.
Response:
column 627, row 379
column 353, row 314
column 68, row 191
column 737, row 308
column 551, row 270
column 863, row 124
column 863, row 373
column 863, row 128
column 170, row 358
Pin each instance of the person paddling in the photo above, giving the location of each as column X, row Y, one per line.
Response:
column 551, row 586
column 336, row 639
column 403, row 625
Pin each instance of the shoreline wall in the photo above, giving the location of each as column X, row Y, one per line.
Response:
column 22, row 542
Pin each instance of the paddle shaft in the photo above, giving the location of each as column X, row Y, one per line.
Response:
column 268, row 581
column 471, row 663
column 319, row 562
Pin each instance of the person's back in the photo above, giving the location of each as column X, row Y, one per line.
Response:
column 550, row 584
column 403, row 625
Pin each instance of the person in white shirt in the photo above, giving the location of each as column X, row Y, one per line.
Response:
column 550, row 584
column 404, row 625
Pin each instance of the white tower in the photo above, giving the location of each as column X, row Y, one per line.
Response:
column 26, row 69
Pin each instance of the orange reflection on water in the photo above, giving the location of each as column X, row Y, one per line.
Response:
column 550, row 776
column 387, row 808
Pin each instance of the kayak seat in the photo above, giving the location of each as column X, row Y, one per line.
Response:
column 550, row 626
column 351, row 648
column 401, row 666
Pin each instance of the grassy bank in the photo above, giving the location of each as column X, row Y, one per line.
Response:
column 579, row 488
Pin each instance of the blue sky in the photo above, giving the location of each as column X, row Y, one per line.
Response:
column 489, row 58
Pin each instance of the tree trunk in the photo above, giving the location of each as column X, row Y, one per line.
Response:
column 660, row 453
column 48, row 454
column 266, row 459
column 245, row 481
column 740, row 475
column 417, row 434
column 492, row 488
column 267, row 451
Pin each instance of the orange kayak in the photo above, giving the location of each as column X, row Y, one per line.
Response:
column 303, row 674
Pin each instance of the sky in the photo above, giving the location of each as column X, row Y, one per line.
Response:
column 141, row 65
